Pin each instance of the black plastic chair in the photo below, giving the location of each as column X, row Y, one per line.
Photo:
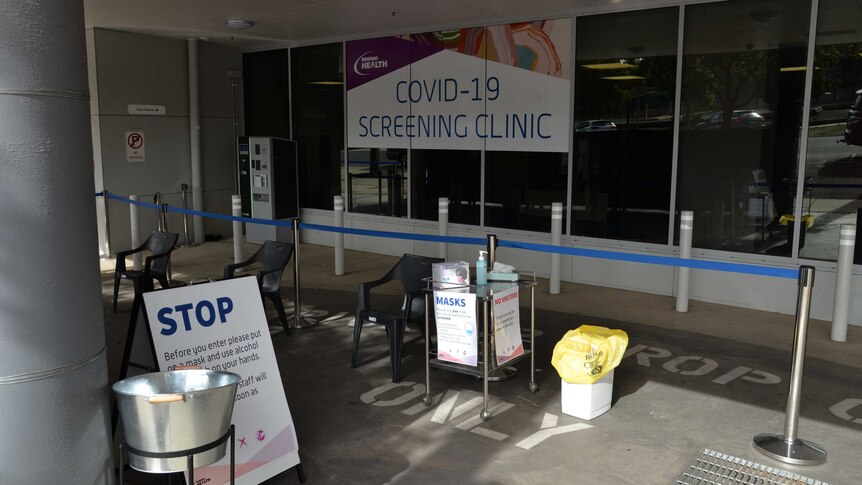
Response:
column 159, row 244
column 409, row 271
column 273, row 256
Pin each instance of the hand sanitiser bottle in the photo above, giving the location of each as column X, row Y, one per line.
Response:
column 481, row 269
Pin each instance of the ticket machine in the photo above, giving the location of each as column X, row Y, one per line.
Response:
column 269, row 185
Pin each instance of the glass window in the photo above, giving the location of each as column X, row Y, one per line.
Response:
column 742, row 89
column 376, row 183
column 265, row 86
column 521, row 186
column 318, row 122
column 446, row 173
column 625, row 79
column 833, row 165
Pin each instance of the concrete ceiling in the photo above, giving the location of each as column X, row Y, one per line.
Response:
column 281, row 23
column 746, row 24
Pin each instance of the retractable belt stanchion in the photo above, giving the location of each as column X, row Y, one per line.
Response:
column 186, row 241
column 135, row 220
column 107, row 248
column 443, row 226
column 299, row 320
column 157, row 200
column 236, row 211
column 788, row 447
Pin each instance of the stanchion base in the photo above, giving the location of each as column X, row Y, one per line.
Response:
column 501, row 374
column 303, row 322
column 799, row 452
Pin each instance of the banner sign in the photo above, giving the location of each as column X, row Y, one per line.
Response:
column 457, row 331
column 222, row 326
column 507, row 326
column 502, row 87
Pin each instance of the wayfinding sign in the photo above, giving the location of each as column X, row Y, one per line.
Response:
column 222, row 326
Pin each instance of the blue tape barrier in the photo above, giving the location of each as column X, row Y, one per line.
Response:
column 479, row 241
column 658, row 260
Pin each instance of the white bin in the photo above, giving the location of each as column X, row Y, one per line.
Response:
column 586, row 401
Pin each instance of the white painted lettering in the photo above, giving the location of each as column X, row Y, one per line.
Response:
column 370, row 397
column 842, row 410
column 706, row 367
column 543, row 434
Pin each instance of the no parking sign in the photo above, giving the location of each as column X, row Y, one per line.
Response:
column 135, row 146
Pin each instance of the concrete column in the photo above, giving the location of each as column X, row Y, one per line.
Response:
column 686, row 227
column 338, row 208
column 556, row 239
column 195, row 141
column 54, row 413
column 443, row 226
column 238, row 239
column 843, row 282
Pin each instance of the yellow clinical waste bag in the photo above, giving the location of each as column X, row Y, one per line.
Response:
column 589, row 352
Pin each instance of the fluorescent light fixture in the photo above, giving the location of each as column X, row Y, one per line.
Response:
column 239, row 24
column 326, row 83
column 797, row 69
column 608, row 66
column 623, row 78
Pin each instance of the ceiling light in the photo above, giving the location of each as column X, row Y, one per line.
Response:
column 793, row 69
column 239, row 24
column 623, row 78
column 608, row 65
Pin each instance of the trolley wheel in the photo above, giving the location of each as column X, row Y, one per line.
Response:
column 534, row 387
column 485, row 415
column 426, row 400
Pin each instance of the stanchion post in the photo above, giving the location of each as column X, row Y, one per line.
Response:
column 238, row 239
column 163, row 214
column 788, row 447
column 157, row 200
column 299, row 320
column 686, row 227
column 184, row 188
column 135, row 219
column 843, row 282
column 338, row 208
column 163, row 219
column 443, row 226
column 556, row 239
column 107, row 248
column 492, row 251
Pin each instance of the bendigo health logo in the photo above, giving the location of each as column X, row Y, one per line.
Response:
column 368, row 62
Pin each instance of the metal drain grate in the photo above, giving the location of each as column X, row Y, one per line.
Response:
column 712, row 467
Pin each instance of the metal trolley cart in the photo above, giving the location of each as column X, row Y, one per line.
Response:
column 486, row 369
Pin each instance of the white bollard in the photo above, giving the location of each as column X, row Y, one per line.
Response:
column 443, row 219
column 556, row 238
column 338, row 207
column 135, row 217
column 238, row 239
column 686, row 227
column 843, row 282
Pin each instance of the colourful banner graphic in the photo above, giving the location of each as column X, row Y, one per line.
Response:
column 500, row 88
